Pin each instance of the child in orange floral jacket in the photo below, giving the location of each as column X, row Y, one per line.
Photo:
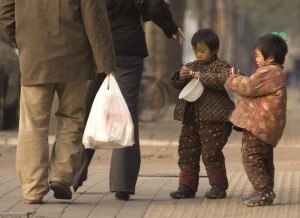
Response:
column 261, row 112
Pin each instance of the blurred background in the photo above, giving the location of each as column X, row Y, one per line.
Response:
column 238, row 24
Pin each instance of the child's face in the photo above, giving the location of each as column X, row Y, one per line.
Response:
column 202, row 52
column 260, row 60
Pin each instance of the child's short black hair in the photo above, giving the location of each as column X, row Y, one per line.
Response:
column 208, row 36
column 272, row 45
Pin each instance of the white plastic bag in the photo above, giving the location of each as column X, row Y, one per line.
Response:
column 109, row 124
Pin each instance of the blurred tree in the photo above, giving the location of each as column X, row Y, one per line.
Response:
column 281, row 16
column 229, row 21
column 267, row 16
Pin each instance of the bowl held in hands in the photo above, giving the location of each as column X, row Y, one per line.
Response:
column 192, row 91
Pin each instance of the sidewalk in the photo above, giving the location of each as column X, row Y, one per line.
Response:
column 158, row 177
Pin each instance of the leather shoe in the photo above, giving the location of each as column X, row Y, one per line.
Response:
column 61, row 191
column 122, row 195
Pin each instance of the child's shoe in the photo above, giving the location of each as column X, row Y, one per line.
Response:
column 215, row 192
column 260, row 199
column 250, row 196
column 182, row 192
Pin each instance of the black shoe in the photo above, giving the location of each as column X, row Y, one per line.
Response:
column 182, row 192
column 61, row 191
column 261, row 199
column 215, row 192
column 122, row 195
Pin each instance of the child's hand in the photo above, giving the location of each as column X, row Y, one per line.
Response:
column 195, row 74
column 184, row 73
column 236, row 71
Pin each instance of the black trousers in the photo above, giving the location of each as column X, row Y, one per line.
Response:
column 125, row 162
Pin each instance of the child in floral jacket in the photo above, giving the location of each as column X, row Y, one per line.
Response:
column 261, row 112
column 206, row 127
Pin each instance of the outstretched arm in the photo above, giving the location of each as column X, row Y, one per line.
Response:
column 261, row 83
column 159, row 12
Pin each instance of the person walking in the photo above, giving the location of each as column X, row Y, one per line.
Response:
column 261, row 113
column 130, row 47
column 58, row 41
column 206, row 127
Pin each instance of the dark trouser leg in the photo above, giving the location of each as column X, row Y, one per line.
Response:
column 257, row 157
column 125, row 162
column 270, row 167
column 92, row 89
column 214, row 136
column 82, row 172
column 189, row 151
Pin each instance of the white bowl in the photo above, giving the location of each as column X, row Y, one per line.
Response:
column 192, row 91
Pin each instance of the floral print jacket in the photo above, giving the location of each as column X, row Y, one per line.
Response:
column 214, row 105
column 262, row 108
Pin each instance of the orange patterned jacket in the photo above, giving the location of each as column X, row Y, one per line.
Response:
column 262, row 108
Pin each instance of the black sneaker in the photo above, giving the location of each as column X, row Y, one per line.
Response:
column 182, row 192
column 122, row 195
column 261, row 199
column 215, row 192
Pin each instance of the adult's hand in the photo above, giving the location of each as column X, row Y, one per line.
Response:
column 179, row 36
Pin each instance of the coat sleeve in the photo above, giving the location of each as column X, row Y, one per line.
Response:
column 176, row 83
column 158, row 11
column 96, row 24
column 7, row 20
column 258, row 84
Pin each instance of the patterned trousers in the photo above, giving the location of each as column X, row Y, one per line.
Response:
column 206, row 139
column 257, row 157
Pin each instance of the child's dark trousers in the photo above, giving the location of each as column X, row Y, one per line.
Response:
column 257, row 157
column 206, row 139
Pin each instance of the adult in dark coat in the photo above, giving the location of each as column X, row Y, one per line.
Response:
column 130, row 48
